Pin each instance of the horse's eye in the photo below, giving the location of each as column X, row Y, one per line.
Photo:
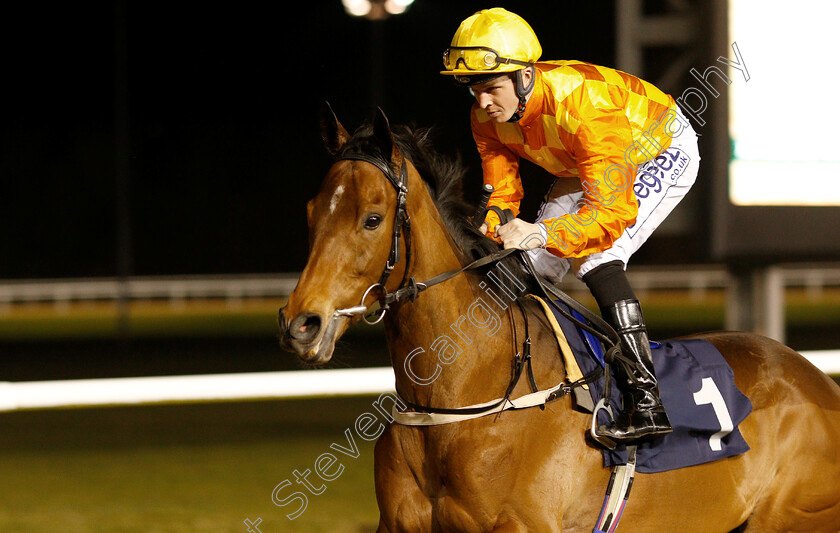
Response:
column 373, row 222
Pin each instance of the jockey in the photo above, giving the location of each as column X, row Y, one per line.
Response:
column 623, row 156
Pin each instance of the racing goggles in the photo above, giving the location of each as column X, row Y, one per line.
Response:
column 477, row 58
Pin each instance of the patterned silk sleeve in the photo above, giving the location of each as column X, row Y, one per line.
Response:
column 500, row 167
column 609, row 205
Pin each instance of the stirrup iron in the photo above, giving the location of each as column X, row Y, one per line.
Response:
column 593, row 430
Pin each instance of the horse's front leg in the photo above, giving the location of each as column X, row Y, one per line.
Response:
column 402, row 505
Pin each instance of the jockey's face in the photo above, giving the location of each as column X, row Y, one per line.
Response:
column 497, row 97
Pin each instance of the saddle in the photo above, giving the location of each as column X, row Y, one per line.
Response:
column 697, row 387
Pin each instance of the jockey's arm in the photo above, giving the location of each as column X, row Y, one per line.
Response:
column 500, row 168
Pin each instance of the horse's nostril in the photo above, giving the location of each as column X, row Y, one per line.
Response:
column 313, row 324
column 305, row 326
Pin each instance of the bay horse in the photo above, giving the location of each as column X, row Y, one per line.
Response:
column 529, row 470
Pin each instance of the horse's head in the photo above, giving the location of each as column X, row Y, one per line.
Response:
column 351, row 233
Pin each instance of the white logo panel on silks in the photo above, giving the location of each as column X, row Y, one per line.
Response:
column 653, row 181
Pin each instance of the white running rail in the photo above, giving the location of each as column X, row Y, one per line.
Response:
column 229, row 387
column 814, row 277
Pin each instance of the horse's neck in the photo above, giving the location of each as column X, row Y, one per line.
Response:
column 444, row 345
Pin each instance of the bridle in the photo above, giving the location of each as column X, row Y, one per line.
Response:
column 409, row 288
column 402, row 222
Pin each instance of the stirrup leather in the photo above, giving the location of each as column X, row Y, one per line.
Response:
column 618, row 493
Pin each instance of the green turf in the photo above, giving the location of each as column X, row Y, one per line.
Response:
column 185, row 468
column 96, row 326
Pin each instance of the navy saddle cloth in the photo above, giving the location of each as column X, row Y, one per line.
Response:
column 698, row 390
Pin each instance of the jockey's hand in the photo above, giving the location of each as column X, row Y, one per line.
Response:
column 483, row 229
column 522, row 235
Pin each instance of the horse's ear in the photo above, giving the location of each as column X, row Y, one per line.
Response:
column 332, row 132
column 382, row 133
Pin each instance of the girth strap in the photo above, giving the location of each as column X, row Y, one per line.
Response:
column 425, row 416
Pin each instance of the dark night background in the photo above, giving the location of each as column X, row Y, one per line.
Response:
column 220, row 127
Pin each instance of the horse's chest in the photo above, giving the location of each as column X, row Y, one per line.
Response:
column 480, row 479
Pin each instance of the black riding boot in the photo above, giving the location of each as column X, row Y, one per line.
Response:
column 642, row 417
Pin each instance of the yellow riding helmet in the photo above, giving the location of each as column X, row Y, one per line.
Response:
column 489, row 42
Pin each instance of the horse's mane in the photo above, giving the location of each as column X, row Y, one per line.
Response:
column 444, row 177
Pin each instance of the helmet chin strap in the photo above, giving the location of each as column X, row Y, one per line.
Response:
column 522, row 92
